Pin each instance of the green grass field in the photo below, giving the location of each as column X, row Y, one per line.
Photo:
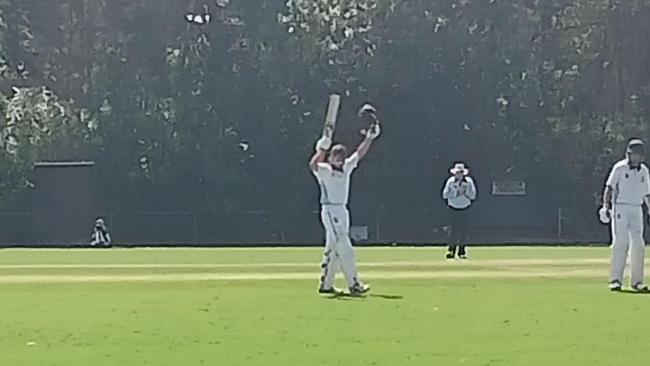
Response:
column 505, row 306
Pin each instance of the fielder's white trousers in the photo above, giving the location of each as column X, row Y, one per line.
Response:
column 338, row 246
column 627, row 235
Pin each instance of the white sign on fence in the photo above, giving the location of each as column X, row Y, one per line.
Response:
column 359, row 233
column 508, row 188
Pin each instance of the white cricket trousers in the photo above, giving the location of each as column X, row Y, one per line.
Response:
column 338, row 246
column 627, row 234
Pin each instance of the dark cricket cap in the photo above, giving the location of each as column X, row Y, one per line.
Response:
column 635, row 145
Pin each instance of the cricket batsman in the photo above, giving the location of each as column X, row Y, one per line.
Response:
column 627, row 188
column 333, row 168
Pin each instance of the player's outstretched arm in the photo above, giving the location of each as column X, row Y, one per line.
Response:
column 370, row 135
column 364, row 146
column 321, row 153
column 369, row 113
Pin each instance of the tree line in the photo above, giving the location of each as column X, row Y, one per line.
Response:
column 215, row 104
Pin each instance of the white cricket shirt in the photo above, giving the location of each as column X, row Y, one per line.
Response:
column 335, row 184
column 459, row 195
column 630, row 185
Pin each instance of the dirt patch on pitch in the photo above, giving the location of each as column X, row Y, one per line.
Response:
column 289, row 276
column 432, row 264
column 487, row 269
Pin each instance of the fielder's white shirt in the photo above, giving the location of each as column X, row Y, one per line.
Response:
column 630, row 185
column 459, row 195
column 335, row 184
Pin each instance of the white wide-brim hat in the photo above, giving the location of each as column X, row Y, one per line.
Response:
column 459, row 167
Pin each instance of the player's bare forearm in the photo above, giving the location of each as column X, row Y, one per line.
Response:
column 363, row 147
column 318, row 157
column 368, row 112
column 607, row 197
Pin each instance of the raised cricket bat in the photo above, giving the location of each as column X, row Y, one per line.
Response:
column 332, row 113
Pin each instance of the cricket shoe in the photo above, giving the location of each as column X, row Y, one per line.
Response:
column 641, row 288
column 615, row 286
column 462, row 256
column 450, row 255
column 359, row 289
column 329, row 291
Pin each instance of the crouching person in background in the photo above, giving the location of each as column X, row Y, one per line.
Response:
column 101, row 236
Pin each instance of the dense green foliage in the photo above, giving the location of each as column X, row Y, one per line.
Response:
column 223, row 115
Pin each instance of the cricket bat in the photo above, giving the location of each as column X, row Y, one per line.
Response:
column 332, row 113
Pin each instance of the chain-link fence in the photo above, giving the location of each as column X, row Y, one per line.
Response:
column 380, row 226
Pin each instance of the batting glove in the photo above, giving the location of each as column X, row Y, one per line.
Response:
column 324, row 144
column 373, row 132
column 604, row 215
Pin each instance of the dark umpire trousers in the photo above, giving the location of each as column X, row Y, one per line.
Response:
column 459, row 226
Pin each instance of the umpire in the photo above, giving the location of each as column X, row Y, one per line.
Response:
column 459, row 192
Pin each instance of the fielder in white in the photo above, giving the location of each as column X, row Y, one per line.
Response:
column 627, row 187
column 333, row 171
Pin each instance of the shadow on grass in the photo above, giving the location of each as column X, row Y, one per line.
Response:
column 346, row 296
column 632, row 292
column 341, row 297
column 387, row 297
